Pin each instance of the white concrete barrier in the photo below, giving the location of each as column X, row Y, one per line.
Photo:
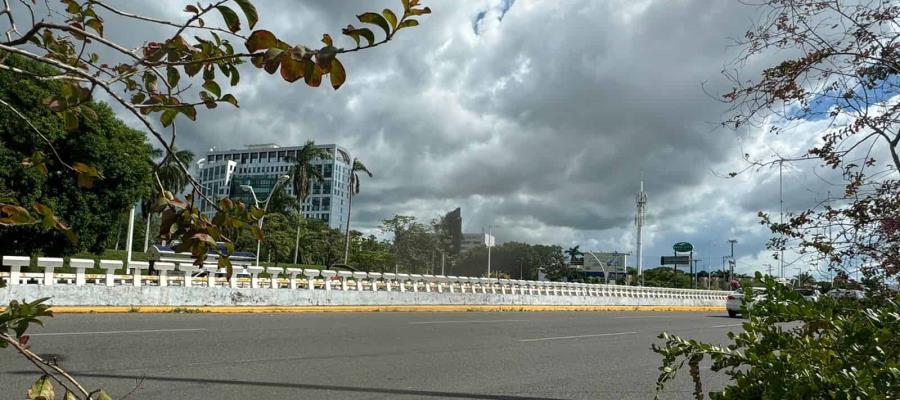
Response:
column 384, row 288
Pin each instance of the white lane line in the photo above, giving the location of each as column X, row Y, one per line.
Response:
column 578, row 336
column 482, row 321
column 115, row 332
column 725, row 326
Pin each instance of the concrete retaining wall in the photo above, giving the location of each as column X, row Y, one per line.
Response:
column 97, row 295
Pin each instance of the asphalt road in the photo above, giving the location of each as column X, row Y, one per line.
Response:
column 529, row 355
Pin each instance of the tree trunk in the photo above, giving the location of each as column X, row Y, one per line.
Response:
column 297, row 243
column 347, row 237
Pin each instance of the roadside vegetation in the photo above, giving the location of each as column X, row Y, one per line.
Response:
column 844, row 68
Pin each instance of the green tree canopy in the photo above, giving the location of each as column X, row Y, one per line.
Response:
column 118, row 152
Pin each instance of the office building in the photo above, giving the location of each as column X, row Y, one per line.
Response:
column 223, row 172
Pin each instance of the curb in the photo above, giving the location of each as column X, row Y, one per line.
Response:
column 326, row 309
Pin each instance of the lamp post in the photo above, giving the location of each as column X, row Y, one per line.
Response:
column 247, row 188
column 732, row 263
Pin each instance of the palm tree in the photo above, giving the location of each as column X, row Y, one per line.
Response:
column 172, row 178
column 303, row 174
column 573, row 253
column 358, row 167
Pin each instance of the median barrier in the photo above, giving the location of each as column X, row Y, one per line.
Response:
column 136, row 288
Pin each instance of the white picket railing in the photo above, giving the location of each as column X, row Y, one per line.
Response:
column 247, row 276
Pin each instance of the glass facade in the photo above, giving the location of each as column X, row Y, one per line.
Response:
column 223, row 172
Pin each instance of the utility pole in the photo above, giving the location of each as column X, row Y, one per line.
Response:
column 442, row 263
column 641, row 201
column 694, row 274
column 733, row 262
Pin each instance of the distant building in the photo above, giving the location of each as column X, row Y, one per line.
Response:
column 600, row 263
column 451, row 224
column 473, row 240
column 222, row 172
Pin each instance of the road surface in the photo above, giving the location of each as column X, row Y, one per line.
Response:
column 509, row 355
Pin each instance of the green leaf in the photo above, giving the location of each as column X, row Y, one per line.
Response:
column 85, row 169
column 191, row 9
column 189, row 111
column 291, row 69
column 260, row 40
column 96, row 25
column 367, row 33
column 230, row 99
column 168, row 117
column 103, row 396
column 249, row 12
column 408, row 23
column 231, row 18
column 42, row 389
column 70, row 396
column 235, row 75
column 390, row 17
column 172, row 76
column 375, row 19
column 70, row 120
column 338, row 75
column 213, row 88
column 138, row 98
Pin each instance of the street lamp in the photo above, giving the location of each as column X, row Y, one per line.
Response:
column 732, row 263
column 247, row 188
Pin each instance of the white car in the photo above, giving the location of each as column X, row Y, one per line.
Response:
column 736, row 299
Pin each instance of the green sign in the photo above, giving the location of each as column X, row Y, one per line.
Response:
column 683, row 247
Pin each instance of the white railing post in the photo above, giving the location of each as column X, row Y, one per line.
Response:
column 345, row 275
column 49, row 264
column 373, row 279
column 189, row 269
column 273, row 276
column 401, row 281
column 292, row 276
column 80, row 265
column 328, row 276
column 136, row 267
column 427, row 280
column 15, row 264
column 358, row 277
column 211, row 269
column 254, row 275
column 388, row 280
column 110, row 266
column 450, row 281
column 311, row 275
column 163, row 268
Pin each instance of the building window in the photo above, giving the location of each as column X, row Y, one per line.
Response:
column 327, row 173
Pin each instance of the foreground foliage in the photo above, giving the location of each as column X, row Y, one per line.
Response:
column 791, row 348
column 54, row 383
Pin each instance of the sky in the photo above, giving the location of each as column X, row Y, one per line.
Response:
column 537, row 117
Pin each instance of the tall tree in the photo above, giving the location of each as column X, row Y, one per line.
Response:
column 303, row 174
column 92, row 208
column 574, row 253
column 358, row 167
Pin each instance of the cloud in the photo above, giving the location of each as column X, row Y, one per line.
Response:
column 537, row 116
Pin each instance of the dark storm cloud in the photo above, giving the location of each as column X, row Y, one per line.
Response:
column 537, row 115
